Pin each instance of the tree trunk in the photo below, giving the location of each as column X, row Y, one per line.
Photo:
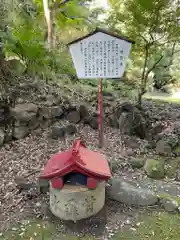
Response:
column 49, row 21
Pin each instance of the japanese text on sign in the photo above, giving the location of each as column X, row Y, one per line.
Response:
column 100, row 57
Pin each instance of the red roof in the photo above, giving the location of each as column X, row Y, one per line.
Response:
column 77, row 159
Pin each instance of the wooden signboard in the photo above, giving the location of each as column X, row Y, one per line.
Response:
column 100, row 55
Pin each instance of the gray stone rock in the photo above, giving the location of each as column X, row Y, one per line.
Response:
column 74, row 117
column 137, row 162
column 52, row 100
column 70, row 129
column 113, row 122
column 51, row 112
column 131, row 120
column 8, row 134
column 163, row 148
column 154, row 168
column 157, row 128
column 93, row 123
column 83, row 112
column 43, row 185
column 24, row 112
column 131, row 194
column 57, row 112
column 169, row 205
column 125, row 123
column 2, row 137
column 20, row 132
column 33, row 124
column 45, row 113
column 57, row 132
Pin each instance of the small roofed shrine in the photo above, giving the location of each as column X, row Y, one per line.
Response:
column 77, row 166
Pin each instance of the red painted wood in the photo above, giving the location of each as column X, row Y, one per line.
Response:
column 78, row 159
column 91, row 183
column 100, row 113
column 57, row 183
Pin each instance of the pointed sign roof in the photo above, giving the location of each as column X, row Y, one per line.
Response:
column 97, row 30
column 77, row 159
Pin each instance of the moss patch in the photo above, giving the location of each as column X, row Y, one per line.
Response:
column 155, row 227
column 171, row 167
column 154, row 168
column 37, row 230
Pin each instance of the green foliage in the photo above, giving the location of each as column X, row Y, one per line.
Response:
column 153, row 25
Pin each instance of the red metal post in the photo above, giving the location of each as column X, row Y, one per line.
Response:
column 100, row 113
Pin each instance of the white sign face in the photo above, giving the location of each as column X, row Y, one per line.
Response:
column 100, row 56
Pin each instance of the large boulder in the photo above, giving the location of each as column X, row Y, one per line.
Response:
column 20, row 132
column 137, row 162
column 51, row 112
column 24, row 112
column 154, row 168
column 170, row 134
column 131, row 120
column 129, row 193
column 74, row 117
column 57, row 132
column 84, row 114
column 52, row 100
column 163, row 148
column 126, row 123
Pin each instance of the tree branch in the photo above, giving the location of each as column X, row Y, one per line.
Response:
column 73, row 17
column 154, row 65
column 60, row 4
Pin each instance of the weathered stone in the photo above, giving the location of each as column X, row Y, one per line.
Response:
column 125, row 107
column 57, row 132
column 83, row 112
column 70, row 129
column 113, row 122
column 154, row 168
column 46, row 123
column 74, row 117
column 131, row 143
column 137, row 162
column 8, row 134
column 2, row 137
column 163, row 148
column 43, row 185
column 157, row 128
column 51, row 112
column 131, row 194
column 125, row 123
column 52, row 100
column 83, row 201
column 57, row 112
column 18, row 123
column 93, row 123
column 131, row 120
column 139, row 127
column 20, row 132
column 34, row 124
column 24, row 112
column 169, row 205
